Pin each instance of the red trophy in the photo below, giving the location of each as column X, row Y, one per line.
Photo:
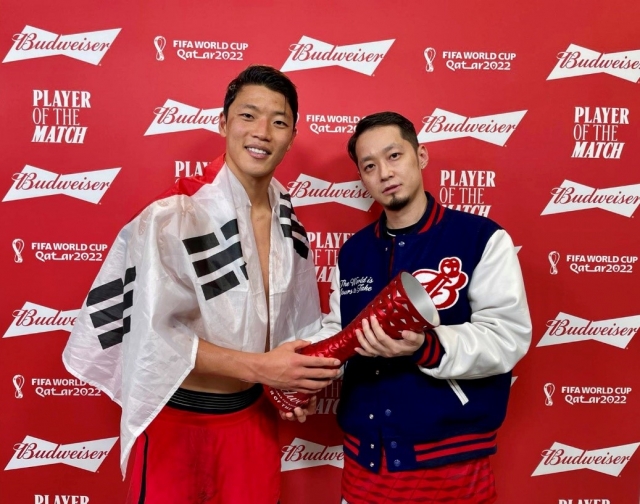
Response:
column 403, row 304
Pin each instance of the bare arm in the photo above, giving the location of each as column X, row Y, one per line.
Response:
column 280, row 368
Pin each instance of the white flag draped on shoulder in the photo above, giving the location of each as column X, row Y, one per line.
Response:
column 185, row 268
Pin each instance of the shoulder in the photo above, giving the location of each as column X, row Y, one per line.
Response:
column 470, row 224
column 365, row 235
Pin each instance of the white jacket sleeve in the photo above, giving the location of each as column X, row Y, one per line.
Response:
column 331, row 323
column 499, row 333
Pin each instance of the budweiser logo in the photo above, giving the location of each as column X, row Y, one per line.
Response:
column 444, row 125
column 34, row 452
column 34, row 182
column 571, row 196
column 566, row 328
column 312, row 53
column 577, row 61
column 175, row 116
column 32, row 42
column 307, row 190
column 563, row 458
column 33, row 319
column 301, row 454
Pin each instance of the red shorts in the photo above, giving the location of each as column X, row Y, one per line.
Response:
column 199, row 458
column 469, row 482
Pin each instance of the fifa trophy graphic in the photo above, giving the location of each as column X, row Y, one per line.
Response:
column 403, row 304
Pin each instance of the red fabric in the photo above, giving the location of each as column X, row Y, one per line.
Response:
column 469, row 482
column 195, row 458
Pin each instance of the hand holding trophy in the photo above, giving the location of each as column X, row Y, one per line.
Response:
column 402, row 305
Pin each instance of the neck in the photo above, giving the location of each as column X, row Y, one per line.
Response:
column 408, row 215
column 257, row 189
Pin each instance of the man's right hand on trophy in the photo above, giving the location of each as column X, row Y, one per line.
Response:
column 374, row 342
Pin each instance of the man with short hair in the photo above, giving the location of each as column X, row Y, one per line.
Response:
column 421, row 421
column 199, row 302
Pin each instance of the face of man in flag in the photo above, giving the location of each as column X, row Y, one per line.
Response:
column 259, row 131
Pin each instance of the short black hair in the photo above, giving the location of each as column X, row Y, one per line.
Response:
column 406, row 127
column 267, row 76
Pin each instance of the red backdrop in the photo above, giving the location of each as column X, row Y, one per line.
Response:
column 528, row 111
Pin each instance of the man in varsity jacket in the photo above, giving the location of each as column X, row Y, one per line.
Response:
column 420, row 414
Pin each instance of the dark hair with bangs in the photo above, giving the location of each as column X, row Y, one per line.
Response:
column 269, row 77
column 406, row 127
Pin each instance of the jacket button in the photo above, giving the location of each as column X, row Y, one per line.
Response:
column 377, row 371
column 394, row 444
column 372, row 446
column 371, row 464
column 401, row 244
column 396, row 463
column 371, row 416
column 387, row 412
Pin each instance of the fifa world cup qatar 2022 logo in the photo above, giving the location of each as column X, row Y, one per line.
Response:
column 18, row 247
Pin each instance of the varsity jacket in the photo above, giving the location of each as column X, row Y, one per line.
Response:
column 445, row 403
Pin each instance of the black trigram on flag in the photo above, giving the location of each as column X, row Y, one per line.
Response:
column 292, row 228
column 112, row 291
column 220, row 251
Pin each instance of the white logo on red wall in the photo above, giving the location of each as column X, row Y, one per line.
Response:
column 563, row 458
column 34, row 319
column 34, row 182
column 33, row 42
column 187, row 169
column 567, row 328
column 174, row 116
column 601, row 142
column 444, row 285
column 62, row 108
column 444, row 125
column 18, row 383
column 594, row 263
column 571, row 197
column 325, row 255
column 34, row 452
column 70, row 499
column 477, row 60
column 577, row 61
column 301, row 454
column 464, row 190
column 311, row 53
column 308, row 190
column 331, row 123
column 584, row 501
column 212, row 50
column 579, row 395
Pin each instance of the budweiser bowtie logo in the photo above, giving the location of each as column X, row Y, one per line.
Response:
column 34, row 182
column 444, row 125
column 34, row 452
column 563, row 458
column 567, row 328
column 175, row 116
column 301, row 454
column 32, row 42
column 571, row 196
column 33, row 319
column 577, row 61
column 307, row 190
column 311, row 53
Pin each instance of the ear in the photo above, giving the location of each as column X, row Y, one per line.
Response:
column 423, row 157
column 293, row 137
column 222, row 128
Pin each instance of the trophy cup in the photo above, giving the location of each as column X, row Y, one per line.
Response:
column 403, row 304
